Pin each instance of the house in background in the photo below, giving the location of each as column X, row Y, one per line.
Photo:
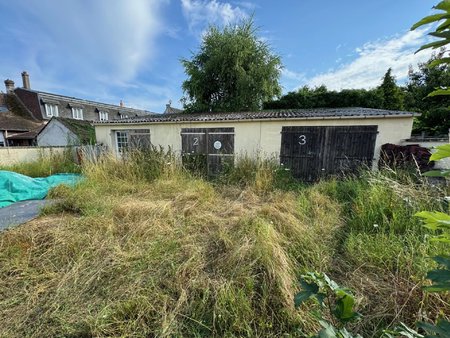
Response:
column 60, row 131
column 24, row 112
column 44, row 105
column 17, row 125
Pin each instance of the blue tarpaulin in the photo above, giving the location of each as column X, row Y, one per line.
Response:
column 15, row 187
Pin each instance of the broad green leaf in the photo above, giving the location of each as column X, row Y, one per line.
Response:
column 443, row 5
column 331, row 283
column 301, row 297
column 321, row 298
column 445, row 34
column 439, row 276
column 437, row 173
column 442, row 152
column 328, row 330
column 443, row 26
column 309, row 290
column 440, row 61
column 442, row 260
column 443, row 238
column 344, row 308
column 442, row 328
column 429, row 19
column 402, row 331
column 434, row 220
column 439, row 92
column 443, row 287
column 434, row 45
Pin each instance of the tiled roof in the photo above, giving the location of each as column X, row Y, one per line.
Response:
column 76, row 101
column 319, row 113
column 13, row 122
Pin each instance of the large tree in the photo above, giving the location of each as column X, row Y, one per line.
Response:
column 390, row 92
column 234, row 70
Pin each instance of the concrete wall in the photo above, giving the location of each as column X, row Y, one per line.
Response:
column 13, row 155
column 56, row 134
column 252, row 137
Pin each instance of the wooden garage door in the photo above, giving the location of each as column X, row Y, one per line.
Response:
column 207, row 150
column 314, row 152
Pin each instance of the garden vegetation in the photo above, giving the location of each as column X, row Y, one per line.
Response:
column 145, row 248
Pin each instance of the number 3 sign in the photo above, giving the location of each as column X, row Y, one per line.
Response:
column 302, row 140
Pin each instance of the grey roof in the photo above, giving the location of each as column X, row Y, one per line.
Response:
column 44, row 96
column 319, row 113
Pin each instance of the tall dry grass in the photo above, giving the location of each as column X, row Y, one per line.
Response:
column 142, row 248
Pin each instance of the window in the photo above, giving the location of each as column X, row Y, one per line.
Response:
column 122, row 141
column 51, row 110
column 132, row 139
column 77, row 113
column 103, row 115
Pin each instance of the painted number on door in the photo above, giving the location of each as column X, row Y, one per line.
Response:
column 302, row 140
column 195, row 141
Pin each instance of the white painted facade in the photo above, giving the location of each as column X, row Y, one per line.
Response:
column 261, row 137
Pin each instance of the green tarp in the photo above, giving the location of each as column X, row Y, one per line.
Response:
column 15, row 187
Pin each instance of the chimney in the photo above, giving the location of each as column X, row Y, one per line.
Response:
column 26, row 80
column 9, row 84
column 168, row 108
column 121, row 103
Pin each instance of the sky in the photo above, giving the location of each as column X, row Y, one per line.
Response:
column 130, row 50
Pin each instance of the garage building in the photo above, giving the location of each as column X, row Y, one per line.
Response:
column 311, row 142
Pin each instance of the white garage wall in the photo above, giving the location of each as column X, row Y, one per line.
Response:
column 257, row 137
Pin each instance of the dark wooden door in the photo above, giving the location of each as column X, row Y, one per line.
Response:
column 349, row 147
column 207, row 150
column 301, row 151
column 314, row 152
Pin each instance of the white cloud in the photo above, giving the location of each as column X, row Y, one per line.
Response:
column 98, row 41
column 200, row 13
column 372, row 61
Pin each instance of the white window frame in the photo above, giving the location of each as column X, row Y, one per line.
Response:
column 51, row 110
column 77, row 113
column 124, row 141
column 121, row 141
column 103, row 115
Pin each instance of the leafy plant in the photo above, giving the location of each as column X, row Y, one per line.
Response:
column 336, row 300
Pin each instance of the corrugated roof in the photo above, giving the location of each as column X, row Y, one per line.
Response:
column 319, row 113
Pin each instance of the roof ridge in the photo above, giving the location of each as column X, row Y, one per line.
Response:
column 85, row 100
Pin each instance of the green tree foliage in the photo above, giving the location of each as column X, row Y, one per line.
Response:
column 233, row 71
column 321, row 97
column 390, row 92
column 435, row 118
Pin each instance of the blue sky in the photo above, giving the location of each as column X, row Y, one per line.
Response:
column 112, row 50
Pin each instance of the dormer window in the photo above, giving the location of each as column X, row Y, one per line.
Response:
column 103, row 115
column 77, row 113
column 51, row 110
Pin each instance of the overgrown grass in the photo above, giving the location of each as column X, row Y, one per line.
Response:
column 47, row 164
column 142, row 248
